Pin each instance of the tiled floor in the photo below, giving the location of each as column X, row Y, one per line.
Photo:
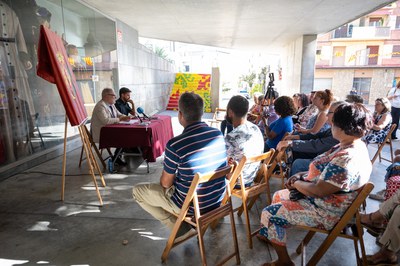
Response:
column 36, row 228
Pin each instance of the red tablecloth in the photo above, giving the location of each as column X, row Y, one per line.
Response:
column 151, row 138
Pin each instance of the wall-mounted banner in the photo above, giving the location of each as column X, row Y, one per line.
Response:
column 188, row 82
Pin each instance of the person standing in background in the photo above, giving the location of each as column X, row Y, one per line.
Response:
column 394, row 98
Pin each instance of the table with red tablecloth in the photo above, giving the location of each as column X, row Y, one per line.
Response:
column 151, row 136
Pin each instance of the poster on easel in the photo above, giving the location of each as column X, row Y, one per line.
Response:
column 54, row 67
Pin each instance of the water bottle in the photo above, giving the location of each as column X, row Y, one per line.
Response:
column 110, row 165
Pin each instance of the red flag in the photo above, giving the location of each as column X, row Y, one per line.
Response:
column 54, row 67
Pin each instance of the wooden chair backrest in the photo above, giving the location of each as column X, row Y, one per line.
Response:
column 363, row 193
column 219, row 114
column 388, row 139
column 264, row 157
column 352, row 211
column 389, row 134
column 191, row 195
column 202, row 221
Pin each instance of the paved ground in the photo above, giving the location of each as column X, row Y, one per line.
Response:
column 36, row 228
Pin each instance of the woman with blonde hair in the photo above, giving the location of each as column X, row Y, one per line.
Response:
column 322, row 100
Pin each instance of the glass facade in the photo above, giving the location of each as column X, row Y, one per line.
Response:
column 32, row 116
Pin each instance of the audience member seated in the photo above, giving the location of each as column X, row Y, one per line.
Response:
column 304, row 148
column 245, row 138
column 354, row 98
column 322, row 100
column 122, row 104
column 388, row 214
column 391, row 177
column 270, row 114
column 284, row 108
column 199, row 149
column 319, row 198
column 256, row 110
column 382, row 122
column 301, row 103
column 226, row 127
column 256, row 98
column 310, row 111
column 105, row 113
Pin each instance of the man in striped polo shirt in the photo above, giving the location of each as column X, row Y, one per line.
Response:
column 199, row 148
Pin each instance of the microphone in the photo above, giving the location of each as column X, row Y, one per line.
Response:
column 141, row 121
column 141, row 111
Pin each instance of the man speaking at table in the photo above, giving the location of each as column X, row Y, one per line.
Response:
column 105, row 113
column 199, row 148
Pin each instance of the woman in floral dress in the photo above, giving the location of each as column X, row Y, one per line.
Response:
column 328, row 188
column 382, row 122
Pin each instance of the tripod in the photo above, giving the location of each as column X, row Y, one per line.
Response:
column 270, row 94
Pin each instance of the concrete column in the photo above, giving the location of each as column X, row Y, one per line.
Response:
column 298, row 63
column 308, row 63
column 215, row 88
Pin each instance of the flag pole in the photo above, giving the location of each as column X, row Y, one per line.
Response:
column 64, row 166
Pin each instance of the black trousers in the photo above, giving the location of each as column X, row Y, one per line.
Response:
column 395, row 119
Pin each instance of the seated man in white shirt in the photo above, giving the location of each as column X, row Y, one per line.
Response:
column 105, row 113
column 245, row 138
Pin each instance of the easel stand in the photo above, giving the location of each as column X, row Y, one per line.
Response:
column 91, row 161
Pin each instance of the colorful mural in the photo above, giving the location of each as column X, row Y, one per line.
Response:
column 197, row 83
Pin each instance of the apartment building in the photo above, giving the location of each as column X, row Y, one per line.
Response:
column 362, row 56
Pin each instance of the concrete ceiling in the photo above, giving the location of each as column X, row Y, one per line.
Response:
column 237, row 24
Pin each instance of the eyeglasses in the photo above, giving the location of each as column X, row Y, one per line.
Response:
column 330, row 113
column 113, row 95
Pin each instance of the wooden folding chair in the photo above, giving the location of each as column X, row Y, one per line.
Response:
column 219, row 116
column 280, row 166
column 387, row 140
column 260, row 185
column 35, row 129
column 270, row 167
column 202, row 221
column 96, row 150
column 338, row 231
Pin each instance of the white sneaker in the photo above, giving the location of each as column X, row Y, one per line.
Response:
column 380, row 195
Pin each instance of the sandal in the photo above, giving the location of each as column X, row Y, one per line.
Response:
column 382, row 261
column 374, row 228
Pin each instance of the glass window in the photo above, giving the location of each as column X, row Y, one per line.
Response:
column 396, row 51
column 377, row 22
column 32, row 116
column 362, row 87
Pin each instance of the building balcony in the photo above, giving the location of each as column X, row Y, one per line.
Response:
column 359, row 61
column 394, row 61
column 362, row 33
column 395, row 34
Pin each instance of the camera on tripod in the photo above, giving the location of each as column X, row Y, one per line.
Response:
column 271, row 94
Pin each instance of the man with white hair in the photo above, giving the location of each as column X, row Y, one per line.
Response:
column 105, row 113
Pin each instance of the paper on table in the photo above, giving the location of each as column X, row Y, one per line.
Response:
column 130, row 122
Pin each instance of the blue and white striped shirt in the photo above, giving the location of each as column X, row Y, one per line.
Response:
column 199, row 148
